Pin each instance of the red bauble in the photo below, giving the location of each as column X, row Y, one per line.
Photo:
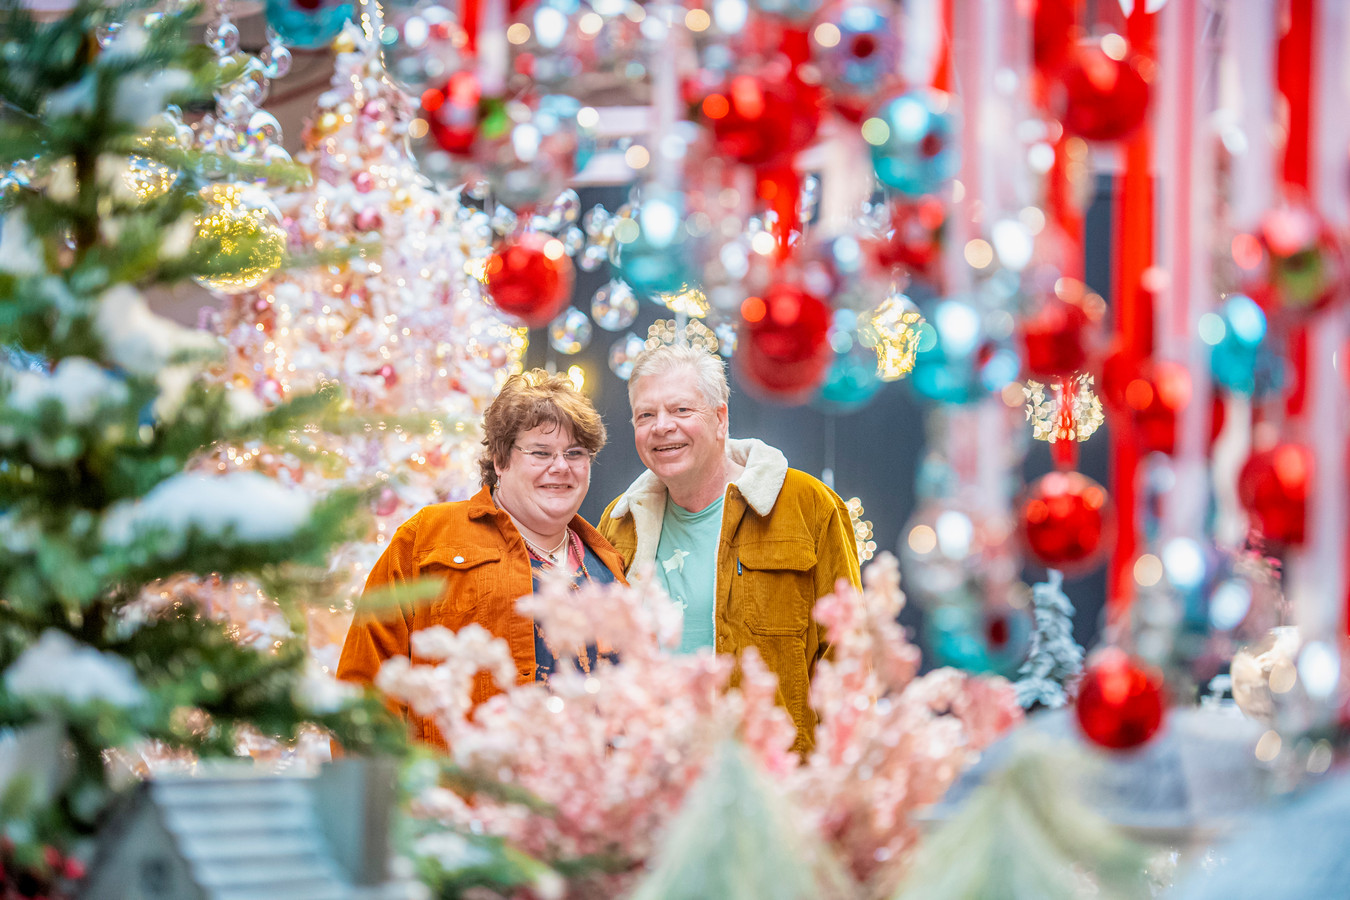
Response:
column 1055, row 339
column 1120, row 701
column 914, row 239
column 1063, row 521
column 1273, row 487
column 1300, row 257
column 1102, row 99
column 530, row 279
column 784, row 350
column 762, row 118
column 452, row 112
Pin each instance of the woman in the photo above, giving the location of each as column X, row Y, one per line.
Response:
column 540, row 435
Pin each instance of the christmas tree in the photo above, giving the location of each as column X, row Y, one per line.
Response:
column 400, row 325
column 1055, row 660
column 98, row 427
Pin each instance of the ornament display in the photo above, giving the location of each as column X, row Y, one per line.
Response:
column 912, row 239
column 914, row 141
column 1121, row 701
column 240, row 218
column 423, row 45
column 622, row 354
column 570, row 332
column 762, row 117
column 649, row 251
column 856, row 47
column 893, row 332
column 1299, row 256
column 784, row 349
column 957, row 361
column 530, row 278
column 308, row 24
column 1071, row 413
column 1101, row 98
column 1240, row 358
column 1273, row 487
column 1063, row 521
column 852, row 380
column 613, row 306
column 1056, row 331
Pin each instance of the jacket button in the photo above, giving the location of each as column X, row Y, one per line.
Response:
column 459, row 559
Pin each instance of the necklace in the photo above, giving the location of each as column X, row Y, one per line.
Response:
column 551, row 556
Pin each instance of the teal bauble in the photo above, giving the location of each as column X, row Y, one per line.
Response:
column 308, row 24
column 913, row 138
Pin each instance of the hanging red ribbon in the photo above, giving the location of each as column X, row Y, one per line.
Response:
column 1134, row 327
column 1294, row 74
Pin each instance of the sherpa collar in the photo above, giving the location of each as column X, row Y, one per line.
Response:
column 760, row 482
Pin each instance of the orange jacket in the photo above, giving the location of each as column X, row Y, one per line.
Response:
column 476, row 549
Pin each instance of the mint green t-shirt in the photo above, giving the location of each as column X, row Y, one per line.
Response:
column 686, row 566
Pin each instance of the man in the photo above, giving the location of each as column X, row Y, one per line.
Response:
column 745, row 544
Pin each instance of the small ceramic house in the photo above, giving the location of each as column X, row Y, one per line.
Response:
column 232, row 833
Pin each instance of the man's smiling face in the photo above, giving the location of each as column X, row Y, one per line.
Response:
column 678, row 435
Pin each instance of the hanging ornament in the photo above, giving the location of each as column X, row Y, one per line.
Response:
column 784, row 351
column 622, row 354
column 1264, row 674
column 240, row 219
column 1273, row 487
column 961, row 569
column 764, row 116
column 1295, row 258
column 693, row 332
column 1100, row 97
column 1240, row 357
column 308, row 24
column 613, row 306
column 857, row 48
column 957, row 362
column 862, row 530
column 852, row 381
column 1063, row 521
column 1071, row 413
column 570, row 332
column 650, row 253
column 913, row 240
column 423, row 45
column 892, row 332
column 1153, row 394
column 1054, row 33
column 913, row 139
column 1057, row 331
column 1120, row 700
column 530, row 278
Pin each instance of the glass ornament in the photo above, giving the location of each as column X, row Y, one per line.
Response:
column 623, row 352
column 1121, row 700
column 892, row 331
column 1301, row 259
column 763, row 116
column 851, row 381
column 423, row 45
column 784, row 351
column 238, row 218
column 1101, row 98
column 570, row 332
column 1273, row 487
column 613, row 307
column 1240, row 358
column 308, row 24
column 530, row 278
column 913, row 140
column 652, row 255
column 1062, row 517
column 957, row 361
column 1071, row 412
column 856, row 47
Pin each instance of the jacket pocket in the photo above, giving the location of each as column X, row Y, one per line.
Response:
column 467, row 575
column 774, row 583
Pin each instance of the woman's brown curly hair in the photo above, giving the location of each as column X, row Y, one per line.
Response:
column 526, row 401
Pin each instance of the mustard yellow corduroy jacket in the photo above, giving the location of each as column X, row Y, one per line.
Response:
column 475, row 548
column 786, row 540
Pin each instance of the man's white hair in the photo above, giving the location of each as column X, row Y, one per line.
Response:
column 710, row 374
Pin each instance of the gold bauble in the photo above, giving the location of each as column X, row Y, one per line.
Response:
column 238, row 216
